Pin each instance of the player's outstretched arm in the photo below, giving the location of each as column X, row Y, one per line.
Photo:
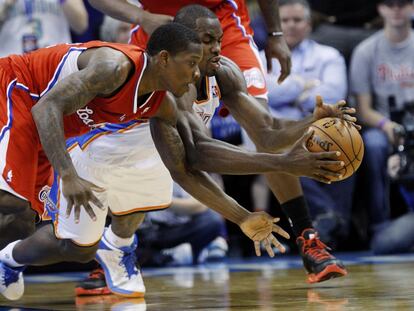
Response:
column 102, row 72
column 267, row 132
column 127, row 12
column 203, row 188
column 206, row 154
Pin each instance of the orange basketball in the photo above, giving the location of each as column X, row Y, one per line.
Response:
column 333, row 134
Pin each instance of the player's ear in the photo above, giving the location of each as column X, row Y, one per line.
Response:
column 164, row 57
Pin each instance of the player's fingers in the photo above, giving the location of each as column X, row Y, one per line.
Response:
column 277, row 244
column 321, row 179
column 257, row 248
column 275, row 220
column 77, row 213
column 349, row 118
column 328, row 174
column 268, row 247
column 97, row 202
column 89, row 211
column 69, row 207
column 341, row 103
column 269, row 63
column 319, row 101
column 357, row 126
column 331, row 155
column 333, row 165
column 280, row 231
column 285, row 71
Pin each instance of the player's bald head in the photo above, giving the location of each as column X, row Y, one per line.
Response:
column 189, row 15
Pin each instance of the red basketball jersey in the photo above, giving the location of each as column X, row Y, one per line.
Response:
column 39, row 72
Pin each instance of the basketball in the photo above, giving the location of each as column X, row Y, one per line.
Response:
column 333, row 134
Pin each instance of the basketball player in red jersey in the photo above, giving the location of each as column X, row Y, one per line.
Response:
column 232, row 14
column 238, row 44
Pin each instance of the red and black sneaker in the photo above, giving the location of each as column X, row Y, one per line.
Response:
column 94, row 284
column 318, row 262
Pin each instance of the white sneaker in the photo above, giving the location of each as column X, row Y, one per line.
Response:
column 181, row 255
column 11, row 282
column 119, row 264
column 215, row 251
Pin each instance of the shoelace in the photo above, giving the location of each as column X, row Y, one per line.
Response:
column 9, row 276
column 316, row 249
column 128, row 260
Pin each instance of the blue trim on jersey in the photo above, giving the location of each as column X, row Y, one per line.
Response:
column 59, row 69
column 9, row 110
column 108, row 128
column 53, row 196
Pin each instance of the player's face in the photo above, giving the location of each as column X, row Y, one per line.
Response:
column 182, row 70
column 210, row 33
column 396, row 14
column 295, row 24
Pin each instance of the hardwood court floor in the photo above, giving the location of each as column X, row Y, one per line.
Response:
column 255, row 286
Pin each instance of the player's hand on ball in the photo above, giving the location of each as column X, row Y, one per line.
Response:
column 260, row 227
column 322, row 166
column 79, row 192
column 338, row 110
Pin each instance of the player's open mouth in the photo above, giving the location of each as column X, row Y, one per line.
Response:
column 215, row 61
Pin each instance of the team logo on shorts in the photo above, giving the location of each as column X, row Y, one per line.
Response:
column 254, row 78
column 49, row 205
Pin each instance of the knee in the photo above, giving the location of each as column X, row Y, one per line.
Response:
column 10, row 204
column 18, row 225
column 72, row 252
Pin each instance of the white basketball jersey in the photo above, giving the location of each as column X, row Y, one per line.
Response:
column 32, row 24
column 205, row 108
column 131, row 144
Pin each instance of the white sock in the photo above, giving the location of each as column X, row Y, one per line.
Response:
column 117, row 241
column 6, row 255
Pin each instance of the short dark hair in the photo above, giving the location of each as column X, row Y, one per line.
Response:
column 172, row 37
column 189, row 14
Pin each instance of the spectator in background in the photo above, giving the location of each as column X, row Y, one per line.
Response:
column 343, row 24
column 27, row 25
column 316, row 70
column 382, row 73
column 95, row 20
column 185, row 233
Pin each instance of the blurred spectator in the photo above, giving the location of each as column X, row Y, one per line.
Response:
column 343, row 24
column 185, row 233
column 382, row 74
column 316, row 70
column 27, row 25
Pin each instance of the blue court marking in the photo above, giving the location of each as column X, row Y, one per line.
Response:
column 235, row 265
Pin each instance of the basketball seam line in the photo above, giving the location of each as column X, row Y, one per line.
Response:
column 336, row 144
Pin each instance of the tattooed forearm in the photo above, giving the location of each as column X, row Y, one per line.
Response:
column 72, row 93
column 196, row 183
